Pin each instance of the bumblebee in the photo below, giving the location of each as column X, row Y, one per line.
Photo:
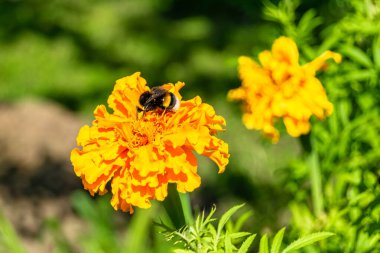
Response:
column 158, row 98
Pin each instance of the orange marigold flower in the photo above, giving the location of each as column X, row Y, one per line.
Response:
column 281, row 88
column 140, row 154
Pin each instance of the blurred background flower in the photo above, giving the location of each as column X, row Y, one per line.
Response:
column 280, row 89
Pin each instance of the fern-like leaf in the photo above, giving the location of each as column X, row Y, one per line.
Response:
column 227, row 216
column 276, row 244
column 246, row 244
column 263, row 248
column 307, row 240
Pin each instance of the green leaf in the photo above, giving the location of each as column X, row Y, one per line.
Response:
column 211, row 229
column 182, row 251
column 344, row 110
column 8, row 236
column 376, row 52
column 276, row 244
column 360, row 75
column 241, row 220
column 356, row 54
column 307, row 240
column 238, row 235
column 264, row 248
column 246, row 244
column 333, row 37
column 209, row 218
column 308, row 22
column 227, row 216
column 227, row 244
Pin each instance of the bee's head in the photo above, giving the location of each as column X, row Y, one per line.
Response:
column 144, row 98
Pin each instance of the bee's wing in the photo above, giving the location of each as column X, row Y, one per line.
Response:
column 156, row 93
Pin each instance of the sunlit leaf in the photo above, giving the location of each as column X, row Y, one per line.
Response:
column 307, row 240
column 237, row 235
column 264, row 248
column 356, row 54
column 227, row 216
column 227, row 244
column 242, row 219
column 246, row 244
column 376, row 52
column 182, row 251
column 276, row 244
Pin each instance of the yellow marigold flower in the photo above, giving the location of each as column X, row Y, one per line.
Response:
column 139, row 155
column 281, row 88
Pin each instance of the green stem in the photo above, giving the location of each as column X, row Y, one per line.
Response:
column 316, row 184
column 186, row 207
column 178, row 207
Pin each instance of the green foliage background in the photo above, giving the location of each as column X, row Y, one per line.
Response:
column 73, row 51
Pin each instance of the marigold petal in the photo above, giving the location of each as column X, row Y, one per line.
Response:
column 174, row 88
column 217, row 151
column 125, row 97
column 296, row 127
column 161, row 192
column 319, row 62
column 285, row 50
column 266, row 59
column 146, row 161
column 237, row 94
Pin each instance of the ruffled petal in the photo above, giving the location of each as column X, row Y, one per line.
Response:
column 125, row 96
column 319, row 62
column 285, row 50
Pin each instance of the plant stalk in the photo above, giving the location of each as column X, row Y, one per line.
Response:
column 316, row 184
column 178, row 207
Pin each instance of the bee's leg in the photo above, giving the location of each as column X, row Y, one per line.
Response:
column 163, row 113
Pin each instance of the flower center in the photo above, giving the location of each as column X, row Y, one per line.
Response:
column 140, row 132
